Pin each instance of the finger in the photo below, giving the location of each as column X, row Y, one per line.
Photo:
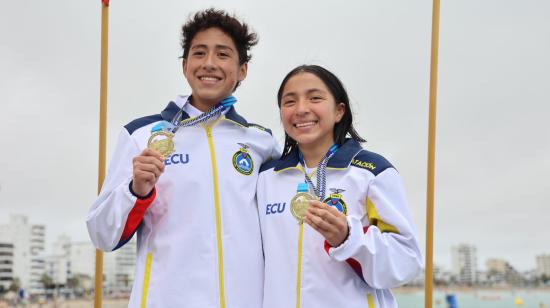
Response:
column 151, row 152
column 157, row 170
column 150, row 160
column 145, row 176
column 323, row 206
column 317, row 204
column 321, row 224
column 331, row 209
column 325, row 214
column 334, row 211
column 314, row 226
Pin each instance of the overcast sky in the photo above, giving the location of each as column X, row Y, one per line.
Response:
column 493, row 134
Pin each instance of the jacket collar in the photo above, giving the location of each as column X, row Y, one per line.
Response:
column 340, row 160
column 173, row 107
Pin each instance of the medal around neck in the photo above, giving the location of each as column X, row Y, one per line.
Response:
column 299, row 203
column 161, row 140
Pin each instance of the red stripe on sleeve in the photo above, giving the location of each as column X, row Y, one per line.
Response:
column 136, row 215
column 355, row 265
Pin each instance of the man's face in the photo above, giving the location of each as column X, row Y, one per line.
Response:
column 212, row 67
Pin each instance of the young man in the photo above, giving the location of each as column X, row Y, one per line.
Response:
column 194, row 209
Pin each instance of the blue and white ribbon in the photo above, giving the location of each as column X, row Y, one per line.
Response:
column 320, row 189
column 218, row 109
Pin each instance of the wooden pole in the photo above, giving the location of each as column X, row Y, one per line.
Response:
column 102, row 138
column 428, row 290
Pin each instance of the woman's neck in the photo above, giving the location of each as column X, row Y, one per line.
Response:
column 314, row 153
column 203, row 106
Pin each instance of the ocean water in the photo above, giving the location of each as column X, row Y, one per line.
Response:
column 478, row 299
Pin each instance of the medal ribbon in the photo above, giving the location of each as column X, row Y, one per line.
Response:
column 321, row 173
column 218, row 109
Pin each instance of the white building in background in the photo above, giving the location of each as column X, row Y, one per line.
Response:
column 77, row 259
column 22, row 257
column 28, row 251
column 543, row 265
column 57, row 269
column 58, row 264
column 464, row 263
column 6, row 265
column 119, row 267
column 83, row 258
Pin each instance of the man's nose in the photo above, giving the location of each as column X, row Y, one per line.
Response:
column 209, row 61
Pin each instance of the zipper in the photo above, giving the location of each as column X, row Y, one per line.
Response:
column 218, row 214
column 299, row 271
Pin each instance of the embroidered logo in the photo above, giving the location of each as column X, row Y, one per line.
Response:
column 335, row 200
column 242, row 161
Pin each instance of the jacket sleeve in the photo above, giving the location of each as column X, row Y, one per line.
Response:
column 382, row 247
column 117, row 212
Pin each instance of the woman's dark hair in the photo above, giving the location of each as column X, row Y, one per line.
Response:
column 341, row 129
column 242, row 36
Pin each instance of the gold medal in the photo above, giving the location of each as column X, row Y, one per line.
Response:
column 162, row 142
column 299, row 203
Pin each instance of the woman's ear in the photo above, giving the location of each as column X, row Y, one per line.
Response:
column 340, row 111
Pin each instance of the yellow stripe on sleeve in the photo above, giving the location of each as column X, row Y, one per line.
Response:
column 375, row 220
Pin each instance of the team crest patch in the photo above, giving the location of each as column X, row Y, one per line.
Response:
column 335, row 200
column 242, row 161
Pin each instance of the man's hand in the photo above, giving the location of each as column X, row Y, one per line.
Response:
column 328, row 221
column 148, row 166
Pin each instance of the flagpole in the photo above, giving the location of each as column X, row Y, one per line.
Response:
column 102, row 138
column 428, row 280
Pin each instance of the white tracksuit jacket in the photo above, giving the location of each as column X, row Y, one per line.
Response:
column 199, row 242
column 381, row 251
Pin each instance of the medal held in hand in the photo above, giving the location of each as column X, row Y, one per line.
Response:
column 162, row 142
column 300, row 202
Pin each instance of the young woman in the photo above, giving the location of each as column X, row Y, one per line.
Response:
column 356, row 240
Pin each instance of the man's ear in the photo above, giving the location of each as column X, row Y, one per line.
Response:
column 184, row 67
column 243, row 70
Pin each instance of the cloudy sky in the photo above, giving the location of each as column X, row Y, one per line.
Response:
column 493, row 134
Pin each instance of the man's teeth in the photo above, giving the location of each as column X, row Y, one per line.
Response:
column 299, row 125
column 209, row 78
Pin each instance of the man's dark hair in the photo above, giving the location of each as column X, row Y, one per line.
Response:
column 242, row 36
column 336, row 88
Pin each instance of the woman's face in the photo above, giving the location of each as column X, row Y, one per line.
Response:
column 309, row 111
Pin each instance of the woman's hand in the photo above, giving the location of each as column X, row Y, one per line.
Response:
column 328, row 221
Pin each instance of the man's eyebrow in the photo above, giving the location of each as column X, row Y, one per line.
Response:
column 217, row 46
column 220, row 46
